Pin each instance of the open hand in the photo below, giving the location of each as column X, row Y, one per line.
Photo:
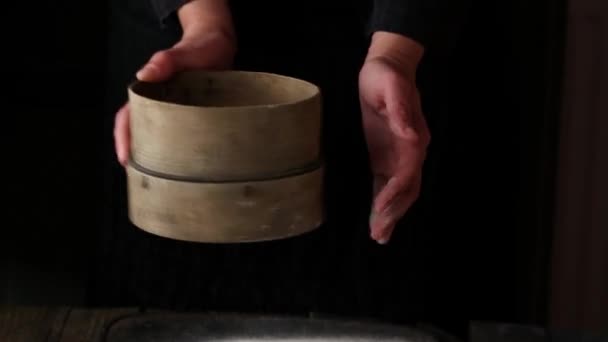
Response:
column 397, row 138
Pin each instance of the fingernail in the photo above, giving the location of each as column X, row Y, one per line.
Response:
column 141, row 74
column 146, row 72
column 383, row 241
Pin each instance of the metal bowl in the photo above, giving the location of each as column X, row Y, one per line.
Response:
column 244, row 328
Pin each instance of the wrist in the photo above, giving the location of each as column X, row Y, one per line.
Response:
column 403, row 52
column 206, row 18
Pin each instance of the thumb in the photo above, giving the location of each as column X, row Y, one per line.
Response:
column 396, row 121
column 399, row 118
column 400, row 102
column 160, row 67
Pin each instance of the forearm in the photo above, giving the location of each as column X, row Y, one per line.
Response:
column 206, row 17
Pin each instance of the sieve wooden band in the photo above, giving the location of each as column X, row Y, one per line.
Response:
column 265, row 177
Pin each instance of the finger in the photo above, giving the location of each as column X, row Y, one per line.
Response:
column 379, row 183
column 406, row 175
column 396, row 122
column 160, row 67
column 381, row 220
column 410, row 154
column 387, row 194
column 122, row 135
column 383, row 225
column 382, row 230
column 401, row 103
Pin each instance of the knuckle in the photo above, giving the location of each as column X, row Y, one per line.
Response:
column 413, row 137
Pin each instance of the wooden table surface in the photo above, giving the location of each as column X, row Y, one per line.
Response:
column 58, row 324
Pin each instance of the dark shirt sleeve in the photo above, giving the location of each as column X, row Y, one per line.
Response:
column 433, row 23
column 166, row 9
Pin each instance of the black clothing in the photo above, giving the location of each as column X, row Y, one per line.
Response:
column 433, row 23
column 337, row 269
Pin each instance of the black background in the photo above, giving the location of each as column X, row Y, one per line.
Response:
column 496, row 174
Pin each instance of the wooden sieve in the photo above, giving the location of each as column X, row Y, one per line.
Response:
column 225, row 156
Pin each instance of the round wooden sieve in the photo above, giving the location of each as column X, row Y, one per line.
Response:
column 225, row 156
